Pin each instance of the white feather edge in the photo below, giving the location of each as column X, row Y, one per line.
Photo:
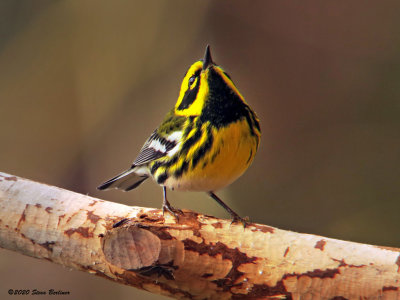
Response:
column 157, row 146
column 174, row 137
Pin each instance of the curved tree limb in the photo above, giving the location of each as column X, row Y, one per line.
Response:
column 199, row 257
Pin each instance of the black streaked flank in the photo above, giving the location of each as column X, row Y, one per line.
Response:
column 190, row 94
column 178, row 173
column 184, row 150
column 205, row 163
column 214, row 156
column 161, row 179
column 172, row 161
column 204, row 148
column 154, row 167
column 192, row 140
column 189, row 127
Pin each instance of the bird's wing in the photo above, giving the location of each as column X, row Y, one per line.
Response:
column 157, row 146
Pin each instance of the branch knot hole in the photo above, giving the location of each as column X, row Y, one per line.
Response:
column 131, row 247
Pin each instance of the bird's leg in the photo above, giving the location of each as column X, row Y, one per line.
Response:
column 166, row 205
column 235, row 216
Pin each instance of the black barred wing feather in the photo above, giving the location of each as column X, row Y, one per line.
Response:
column 157, row 147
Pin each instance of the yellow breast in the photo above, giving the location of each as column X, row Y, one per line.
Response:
column 232, row 152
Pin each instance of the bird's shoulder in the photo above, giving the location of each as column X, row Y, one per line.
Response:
column 163, row 140
column 171, row 123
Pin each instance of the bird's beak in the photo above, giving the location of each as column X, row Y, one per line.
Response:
column 207, row 60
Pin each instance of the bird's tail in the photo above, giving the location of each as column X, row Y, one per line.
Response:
column 126, row 181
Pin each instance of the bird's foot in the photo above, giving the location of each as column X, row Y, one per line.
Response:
column 236, row 218
column 173, row 211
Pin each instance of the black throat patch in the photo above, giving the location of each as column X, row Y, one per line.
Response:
column 224, row 106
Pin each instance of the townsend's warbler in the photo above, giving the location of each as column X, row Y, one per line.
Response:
column 204, row 143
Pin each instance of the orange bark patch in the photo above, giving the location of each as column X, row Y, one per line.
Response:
column 390, row 288
column 320, row 245
column 261, row 291
column 318, row 273
column 60, row 218
column 234, row 255
column 23, row 216
column 217, row 225
column 83, row 231
column 161, row 233
column 152, row 216
column 93, row 217
column 262, row 228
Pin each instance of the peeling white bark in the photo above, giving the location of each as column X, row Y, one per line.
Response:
column 199, row 257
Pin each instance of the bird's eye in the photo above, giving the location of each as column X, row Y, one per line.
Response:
column 191, row 80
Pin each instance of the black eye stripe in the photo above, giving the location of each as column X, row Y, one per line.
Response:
column 190, row 94
column 189, row 97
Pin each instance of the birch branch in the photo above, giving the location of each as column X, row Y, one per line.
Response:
column 199, row 257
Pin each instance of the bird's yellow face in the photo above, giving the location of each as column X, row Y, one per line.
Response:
column 196, row 85
column 194, row 91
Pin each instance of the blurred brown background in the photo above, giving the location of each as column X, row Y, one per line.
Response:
column 83, row 84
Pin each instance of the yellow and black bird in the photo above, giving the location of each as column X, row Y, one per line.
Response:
column 204, row 143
